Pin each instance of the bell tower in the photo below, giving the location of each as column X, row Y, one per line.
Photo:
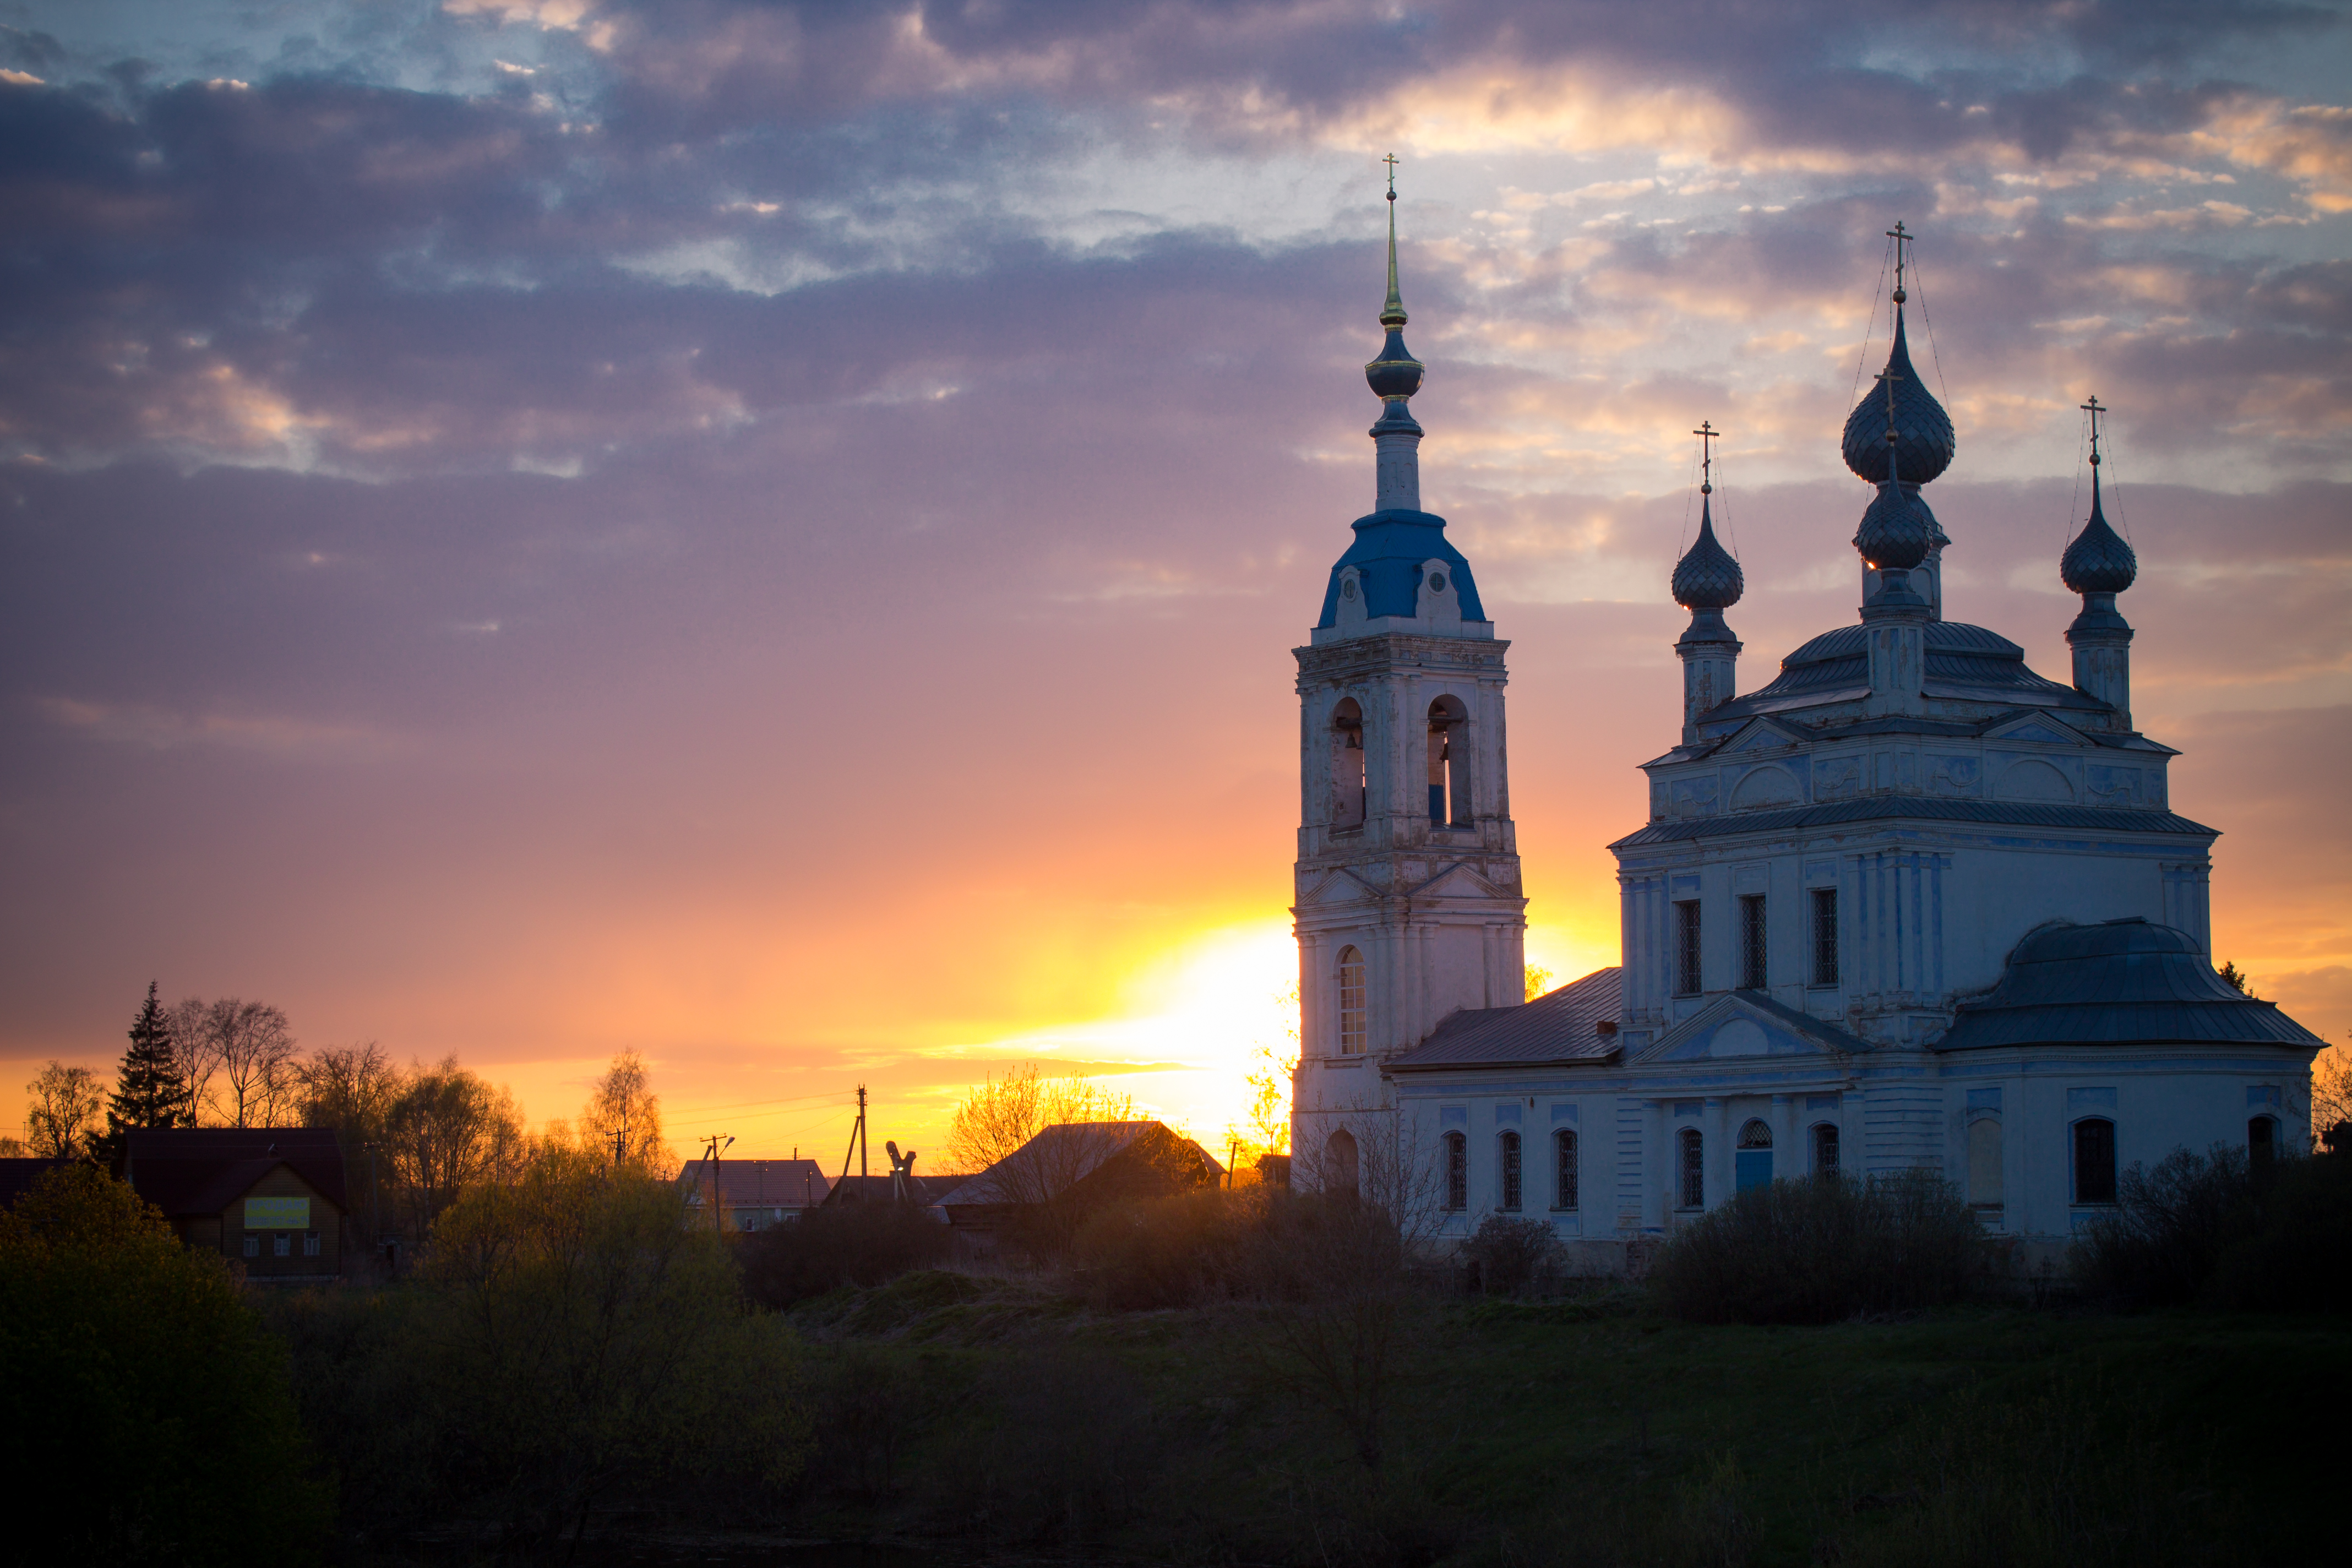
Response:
column 1408, row 873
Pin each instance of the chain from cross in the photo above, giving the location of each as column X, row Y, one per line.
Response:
column 1391, row 162
column 1901, row 236
column 2094, row 408
column 1708, row 436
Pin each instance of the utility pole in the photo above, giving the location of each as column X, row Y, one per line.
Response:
column 856, row 1147
column 620, row 1147
column 1232, row 1153
column 717, row 1206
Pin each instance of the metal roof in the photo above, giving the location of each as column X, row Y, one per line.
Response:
column 2000, row 813
column 1562, row 1025
column 759, row 1183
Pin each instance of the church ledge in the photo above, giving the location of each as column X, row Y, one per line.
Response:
column 1921, row 809
column 1400, row 626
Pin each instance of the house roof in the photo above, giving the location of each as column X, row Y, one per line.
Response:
column 203, row 1170
column 1074, row 1150
column 759, row 1183
column 1562, row 1025
column 16, row 1175
column 928, row 1189
column 1919, row 808
column 2127, row 982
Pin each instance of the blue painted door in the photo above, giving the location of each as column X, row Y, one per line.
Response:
column 1754, row 1168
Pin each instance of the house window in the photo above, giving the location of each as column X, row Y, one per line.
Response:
column 1751, row 941
column 2094, row 1161
column 1563, row 1146
column 1449, row 763
column 1508, row 1149
column 1826, row 1149
column 1984, row 1163
column 1457, row 1171
column 1351, row 1002
column 1751, row 1157
column 1346, row 766
column 1825, row 936
column 281, row 1245
column 252, row 1245
column 310, row 1244
column 1690, row 1189
column 1687, row 971
column 2262, row 1141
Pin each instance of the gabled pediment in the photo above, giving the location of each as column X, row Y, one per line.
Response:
column 1459, row 881
column 1337, row 886
column 2036, row 729
column 1746, row 1026
column 1761, row 735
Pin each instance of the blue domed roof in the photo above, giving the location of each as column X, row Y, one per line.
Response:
column 1924, row 441
column 1387, row 554
column 2098, row 560
column 1897, row 529
column 1707, row 577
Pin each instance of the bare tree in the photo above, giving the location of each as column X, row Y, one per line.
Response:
column 623, row 1119
column 353, row 1089
column 192, row 1048
column 238, row 1059
column 2331, row 1097
column 448, row 1130
column 63, row 1116
column 1001, row 1118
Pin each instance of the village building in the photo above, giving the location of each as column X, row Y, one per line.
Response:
column 1073, row 1168
column 753, row 1195
column 271, row 1200
column 1907, row 904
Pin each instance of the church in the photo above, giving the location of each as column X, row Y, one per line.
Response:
column 1905, row 904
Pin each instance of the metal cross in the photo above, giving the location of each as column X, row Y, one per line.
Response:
column 2094, row 408
column 1707, row 435
column 1901, row 236
column 1391, row 162
column 1890, row 378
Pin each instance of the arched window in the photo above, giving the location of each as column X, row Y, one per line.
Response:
column 1449, row 763
column 1984, row 1162
column 1826, row 1149
column 2262, row 1141
column 1563, row 1148
column 1751, row 1157
column 1351, row 1002
column 1690, row 1169
column 1339, row 1162
column 1507, row 1157
column 1346, row 766
column 1457, row 1171
column 2094, row 1161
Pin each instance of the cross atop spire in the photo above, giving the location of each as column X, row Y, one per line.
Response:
column 1393, row 314
column 2094, row 408
column 1707, row 435
column 1391, row 162
column 1901, row 238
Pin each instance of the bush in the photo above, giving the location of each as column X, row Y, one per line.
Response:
column 1510, row 1255
column 845, row 1243
column 1164, row 1252
column 1820, row 1248
column 2213, row 1228
column 146, row 1415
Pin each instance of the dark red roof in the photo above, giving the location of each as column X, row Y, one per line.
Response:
column 203, row 1170
column 15, row 1176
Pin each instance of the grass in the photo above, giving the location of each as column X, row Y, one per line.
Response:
column 1591, row 1431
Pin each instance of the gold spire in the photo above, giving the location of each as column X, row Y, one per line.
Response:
column 1392, row 309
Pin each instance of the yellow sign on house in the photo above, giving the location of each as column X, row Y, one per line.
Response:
column 276, row 1213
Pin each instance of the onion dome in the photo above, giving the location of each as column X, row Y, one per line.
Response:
column 1924, row 441
column 1896, row 532
column 1396, row 373
column 2098, row 561
column 1706, row 577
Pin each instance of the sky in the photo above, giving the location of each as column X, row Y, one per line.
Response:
column 771, row 535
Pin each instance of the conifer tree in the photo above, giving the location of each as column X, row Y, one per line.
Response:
column 149, row 1091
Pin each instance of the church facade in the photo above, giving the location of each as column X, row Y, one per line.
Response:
column 1907, row 904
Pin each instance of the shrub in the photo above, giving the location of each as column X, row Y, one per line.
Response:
column 844, row 1244
column 1511, row 1254
column 1820, row 1248
column 1164, row 1252
column 2214, row 1227
column 145, row 1415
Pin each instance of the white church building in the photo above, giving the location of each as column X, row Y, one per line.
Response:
column 1906, row 903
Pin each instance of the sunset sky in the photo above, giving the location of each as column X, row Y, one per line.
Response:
column 772, row 534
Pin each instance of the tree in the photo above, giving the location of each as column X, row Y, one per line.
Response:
column 238, row 1058
column 192, row 1045
column 1539, row 981
column 2331, row 1099
column 353, row 1089
column 445, row 1132
column 1002, row 1116
column 62, row 1120
column 149, row 1091
column 2237, row 980
column 142, row 1391
column 622, row 1118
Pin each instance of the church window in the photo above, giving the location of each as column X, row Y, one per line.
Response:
column 1751, row 941
column 1339, row 1162
column 1563, row 1144
column 1449, row 763
column 2262, row 1141
column 1351, row 1002
column 1751, row 1157
column 2094, row 1161
column 1457, row 1171
column 1346, row 766
column 1825, row 936
column 1826, row 1149
column 1984, row 1163
column 1686, row 969
column 1690, row 1186
column 1509, row 1151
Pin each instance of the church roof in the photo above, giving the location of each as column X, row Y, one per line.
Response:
column 1924, row 442
column 1387, row 555
column 1931, row 808
column 2125, row 982
column 1963, row 662
column 1577, row 1022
